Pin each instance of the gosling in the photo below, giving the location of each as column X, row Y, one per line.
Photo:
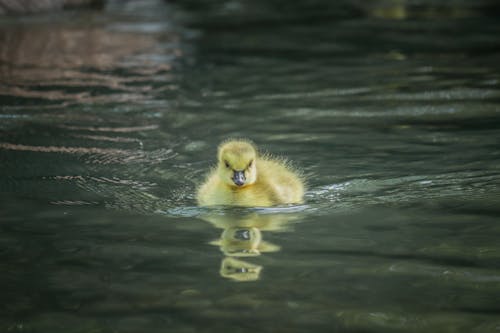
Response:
column 243, row 178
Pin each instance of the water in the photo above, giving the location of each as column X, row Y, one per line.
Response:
column 110, row 119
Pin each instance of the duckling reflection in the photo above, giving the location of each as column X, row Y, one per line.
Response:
column 242, row 238
column 239, row 270
column 243, row 242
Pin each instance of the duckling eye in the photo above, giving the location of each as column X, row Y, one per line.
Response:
column 250, row 164
column 226, row 163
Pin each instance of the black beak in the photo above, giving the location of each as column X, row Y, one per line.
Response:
column 239, row 178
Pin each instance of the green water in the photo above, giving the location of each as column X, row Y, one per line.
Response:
column 110, row 119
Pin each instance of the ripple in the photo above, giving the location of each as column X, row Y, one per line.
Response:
column 127, row 157
column 13, row 116
column 195, row 211
column 404, row 190
column 129, row 129
column 73, row 203
column 454, row 94
column 123, row 194
column 314, row 94
column 110, row 139
column 414, row 111
column 468, row 274
column 283, row 209
column 99, row 155
column 188, row 211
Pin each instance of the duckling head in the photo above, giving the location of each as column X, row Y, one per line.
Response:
column 236, row 163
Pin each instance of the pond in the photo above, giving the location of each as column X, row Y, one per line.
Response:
column 111, row 118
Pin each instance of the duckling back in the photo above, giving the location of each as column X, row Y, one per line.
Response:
column 279, row 182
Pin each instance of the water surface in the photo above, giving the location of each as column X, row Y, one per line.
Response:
column 110, row 119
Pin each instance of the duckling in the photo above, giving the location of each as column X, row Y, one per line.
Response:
column 244, row 178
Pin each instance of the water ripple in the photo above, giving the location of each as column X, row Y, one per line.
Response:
column 315, row 94
column 97, row 155
column 128, row 129
column 405, row 190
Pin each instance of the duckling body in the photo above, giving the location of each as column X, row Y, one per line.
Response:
column 243, row 178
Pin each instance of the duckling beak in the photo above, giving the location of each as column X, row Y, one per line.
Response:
column 239, row 178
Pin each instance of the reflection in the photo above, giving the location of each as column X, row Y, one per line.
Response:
column 72, row 62
column 243, row 242
column 35, row 6
column 242, row 237
column 404, row 9
column 239, row 270
column 395, row 9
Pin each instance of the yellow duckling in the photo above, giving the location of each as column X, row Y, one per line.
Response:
column 243, row 178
